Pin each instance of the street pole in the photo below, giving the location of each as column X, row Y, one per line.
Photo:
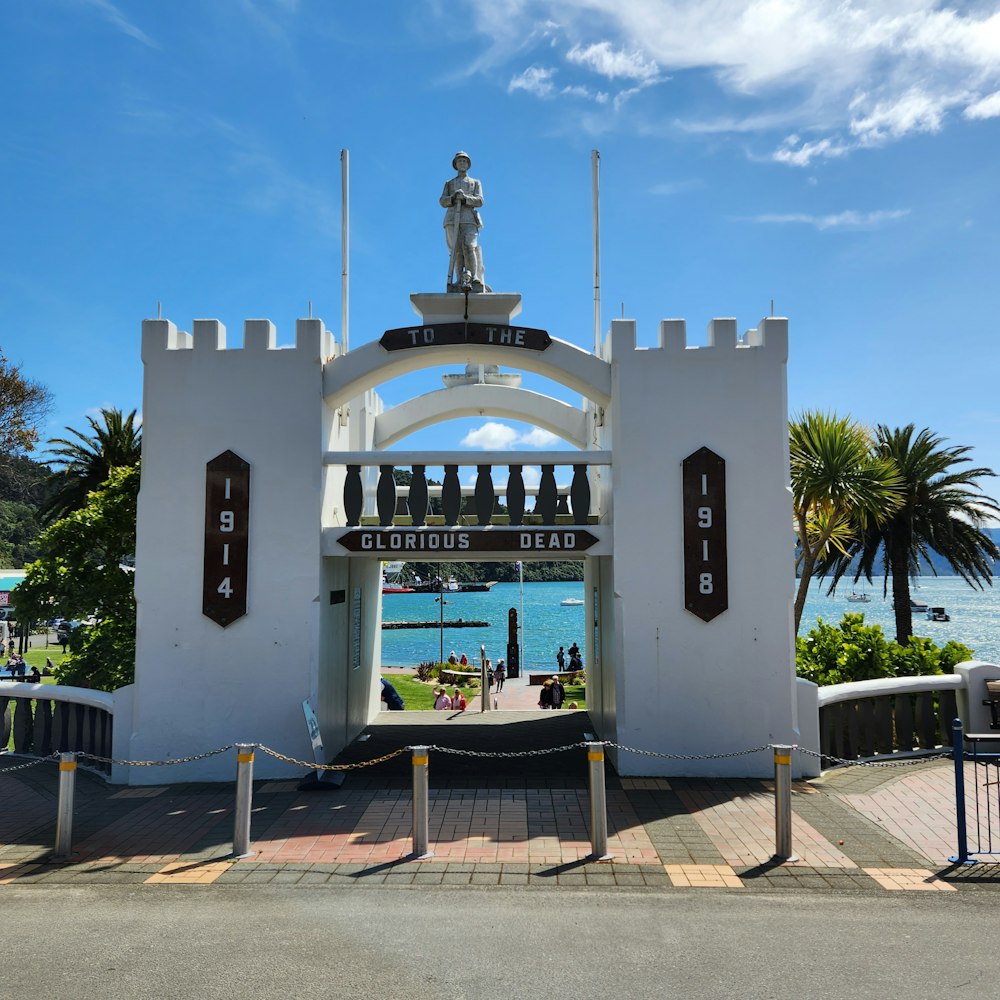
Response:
column 521, row 666
column 442, row 602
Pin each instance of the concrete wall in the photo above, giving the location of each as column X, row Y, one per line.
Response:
column 683, row 685
column 199, row 686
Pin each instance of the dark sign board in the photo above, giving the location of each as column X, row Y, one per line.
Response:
column 448, row 334
column 449, row 540
column 227, row 519
column 706, row 574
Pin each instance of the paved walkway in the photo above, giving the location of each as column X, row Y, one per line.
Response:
column 499, row 820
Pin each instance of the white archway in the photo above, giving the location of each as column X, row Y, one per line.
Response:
column 565, row 421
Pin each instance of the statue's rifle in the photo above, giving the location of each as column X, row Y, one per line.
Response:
column 454, row 243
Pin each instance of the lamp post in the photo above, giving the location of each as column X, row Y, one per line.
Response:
column 440, row 600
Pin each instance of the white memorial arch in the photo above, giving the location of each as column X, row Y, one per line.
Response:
column 268, row 501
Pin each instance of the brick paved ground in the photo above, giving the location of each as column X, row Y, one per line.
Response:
column 500, row 821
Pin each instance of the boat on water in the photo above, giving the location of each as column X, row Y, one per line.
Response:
column 570, row 602
column 920, row 606
column 394, row 582
column 392, row 579
column 856, row 598
column 938, row 615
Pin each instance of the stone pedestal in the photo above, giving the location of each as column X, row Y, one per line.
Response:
column 449, row 307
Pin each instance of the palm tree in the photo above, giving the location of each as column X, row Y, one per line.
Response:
column 86, row 461
column 839, row 487
column 943, row 509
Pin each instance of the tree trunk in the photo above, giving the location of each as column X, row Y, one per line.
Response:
column 900, row 569
column 805, row 575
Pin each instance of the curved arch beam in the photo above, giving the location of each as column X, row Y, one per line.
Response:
column 349, row 375
column 563, row 420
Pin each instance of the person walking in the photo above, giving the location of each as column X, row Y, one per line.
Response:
column 558, row 692
column 545, row 697
column 500, row 674
column 561, row 658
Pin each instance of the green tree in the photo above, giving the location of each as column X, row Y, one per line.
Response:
column 839, row 487
column 23, row 404
column 943, row 509
column 80, row 573
column 85, row 461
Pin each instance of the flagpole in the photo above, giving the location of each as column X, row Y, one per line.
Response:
column 345, row 224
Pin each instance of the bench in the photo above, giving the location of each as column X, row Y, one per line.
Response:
column 992, row 699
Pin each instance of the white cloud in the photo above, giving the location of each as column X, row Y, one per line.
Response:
column 985, row 107
column 492, row 436
column 115, row 17
column 848, row 219
column 855, row 75
column 615, row 64
column 535, row 80
column 537, row 437
column 495, row 436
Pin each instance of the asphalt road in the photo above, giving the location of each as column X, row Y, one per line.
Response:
column 298, row 944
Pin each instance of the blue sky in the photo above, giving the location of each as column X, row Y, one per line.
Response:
column 838, row 158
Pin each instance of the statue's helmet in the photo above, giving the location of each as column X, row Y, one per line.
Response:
column 454, row 159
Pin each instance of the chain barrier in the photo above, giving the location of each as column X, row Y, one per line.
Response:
column 492, row 754
column 948, row 755
column 688, row 756
column 333, row 767
column 153, row 763
column 506, row 753
column 30, row 763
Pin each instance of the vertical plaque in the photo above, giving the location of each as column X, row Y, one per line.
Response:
column 706, row 574
column 227, row 520
column 356, row 629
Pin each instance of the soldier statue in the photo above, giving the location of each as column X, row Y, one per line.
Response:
column 462, row 197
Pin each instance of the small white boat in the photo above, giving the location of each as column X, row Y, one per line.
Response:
column 858, row 598
column 938, row 615
column 570, row 602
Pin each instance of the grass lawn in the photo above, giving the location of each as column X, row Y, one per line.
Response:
column 419, row 697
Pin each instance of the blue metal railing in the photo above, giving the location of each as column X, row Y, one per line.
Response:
column 986, row 802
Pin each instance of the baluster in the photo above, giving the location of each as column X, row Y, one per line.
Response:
column 23, row 726
column 451, row 496
column 545, row 503
column 43, row 728
column 485, row 495
column 562, row 505
column 579, row 494
column 354, row 496
column 418, row 496
column 385, row 496
column 515, row 495
column 5, row 721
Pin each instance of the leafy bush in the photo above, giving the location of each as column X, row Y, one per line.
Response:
column 853, row 651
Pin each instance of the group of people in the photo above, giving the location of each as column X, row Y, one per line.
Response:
column 444, row 703
column 494, row 675
column 18, row 668
column 575, row 659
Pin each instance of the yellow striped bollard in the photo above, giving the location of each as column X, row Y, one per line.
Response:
column 64, row 808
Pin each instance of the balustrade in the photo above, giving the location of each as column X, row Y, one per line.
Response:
column 56, row 721
column 892, row 716
column 395, row 504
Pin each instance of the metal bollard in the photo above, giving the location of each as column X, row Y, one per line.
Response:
column 958, row 754
column 244, row 800
column 64, row 810
column 421, row 808
column 598, row 803
column 783, row 803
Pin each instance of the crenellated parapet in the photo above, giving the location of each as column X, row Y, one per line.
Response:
column 770, row 336
column 209, row 336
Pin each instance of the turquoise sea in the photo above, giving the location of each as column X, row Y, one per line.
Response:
column 975, row 619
